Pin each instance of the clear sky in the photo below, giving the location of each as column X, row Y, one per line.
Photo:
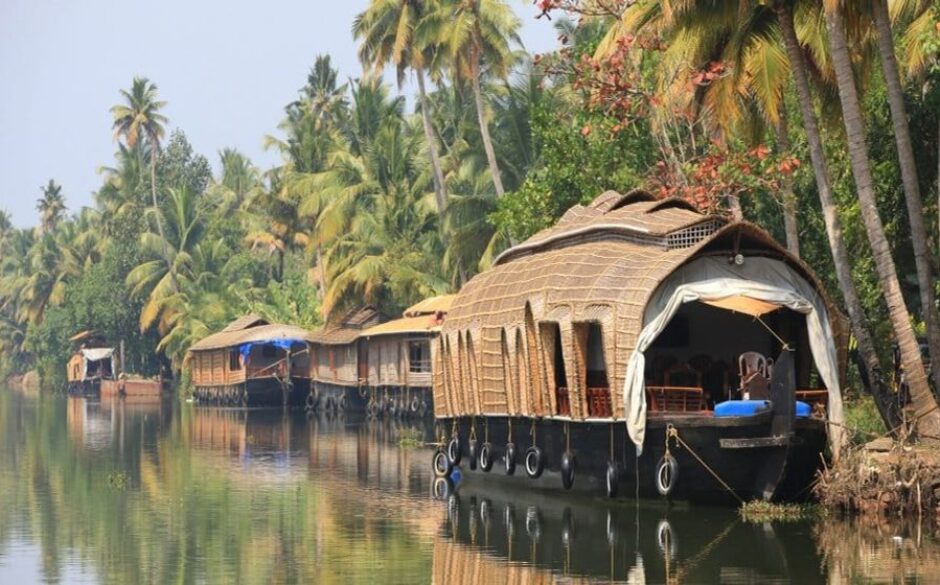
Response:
column 225, row 67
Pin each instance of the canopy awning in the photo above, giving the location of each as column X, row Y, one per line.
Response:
column 743, row 304
column 285, row 344
column 98, row 353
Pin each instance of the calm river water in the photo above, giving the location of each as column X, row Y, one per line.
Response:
column 124, row 493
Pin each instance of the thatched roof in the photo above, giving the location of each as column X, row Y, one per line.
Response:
column 233, row 337
column 405, row 325
column 348, row 327
column 430, row 306
column 636, row 216
column 244, row 323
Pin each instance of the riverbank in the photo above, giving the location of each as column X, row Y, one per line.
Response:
column 885, row 477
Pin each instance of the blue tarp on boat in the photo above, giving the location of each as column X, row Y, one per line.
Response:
column 245, row 348
column 752, row 407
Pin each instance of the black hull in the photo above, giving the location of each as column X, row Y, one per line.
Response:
column 257, row 392
column 386, row 401
column 737, row 449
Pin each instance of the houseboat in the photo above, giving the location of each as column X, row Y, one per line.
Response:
column 252, row 362
column 340, row 363
column 365, row 363
column 639, row 344
column 398, row 359
column 90, row 364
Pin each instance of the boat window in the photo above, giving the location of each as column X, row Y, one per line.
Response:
column 555, row 358
column 419, row 356
column 234, row 361
column 596, row 366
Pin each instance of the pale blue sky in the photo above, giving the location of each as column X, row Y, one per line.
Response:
column 226, row 69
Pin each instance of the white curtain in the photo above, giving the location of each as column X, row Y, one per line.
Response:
column 713, row 278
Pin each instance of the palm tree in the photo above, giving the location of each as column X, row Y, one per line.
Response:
column 124, row 185
column 51, row 206
column 169, row 256
column 138, row 116
column 928, row 419
column 479, row 35
column 902, row 134
column 396, row 32
column 51, row 262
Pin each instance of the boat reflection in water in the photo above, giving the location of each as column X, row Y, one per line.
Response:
column 525, row 538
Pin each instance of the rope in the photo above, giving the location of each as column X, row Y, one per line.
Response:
column 786, row 346
column 671, row 431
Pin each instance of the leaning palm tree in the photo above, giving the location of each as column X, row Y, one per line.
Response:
column 479, row 35
column 928, row 418
column 139, row 116
column 51, row 206
column 923, row 260
column 396, row 32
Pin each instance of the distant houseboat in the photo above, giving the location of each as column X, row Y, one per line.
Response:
column 91, row 363
column 640, row 344
column 364, row 363
column 398, row 360
column 252, row 363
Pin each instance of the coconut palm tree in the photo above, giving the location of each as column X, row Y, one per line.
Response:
column 139, row 116
column 124, row 185
column 396, row 32
column 51, row 206
column 169, row 256
column 923, row 260
column 51, row 262
column 479, row 35
column 928, row 418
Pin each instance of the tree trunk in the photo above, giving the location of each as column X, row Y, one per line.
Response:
column 866, row 348
column 485, row 134
column 440, row 193
column 322, row 273
column 156, row 207
column 789, row 197
column 928, row 418
column 915, row 204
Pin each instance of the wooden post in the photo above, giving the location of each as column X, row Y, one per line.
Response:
column 122, row 356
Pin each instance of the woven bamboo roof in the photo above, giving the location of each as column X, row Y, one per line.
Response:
column 405, row 325
column 430, row 306
column 266, row 332
column 244, row 323
column 636, row 216
column 349, row 327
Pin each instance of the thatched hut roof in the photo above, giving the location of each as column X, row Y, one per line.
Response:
column 349, row 327
column 405, row 325
column 430, row 306
column 233, row 337
column 245, row 322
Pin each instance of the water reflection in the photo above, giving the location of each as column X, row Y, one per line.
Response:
column 122, row 492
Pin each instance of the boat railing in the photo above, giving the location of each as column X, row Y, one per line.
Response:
column 598, row 402
column 676, row 398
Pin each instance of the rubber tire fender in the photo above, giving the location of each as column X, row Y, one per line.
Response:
column 441, row 464
column 454, row 453
column 486, row 457
column 567, row 469
column 534, row 462
column 472, row 454
column 510, row 458
column 667, row 473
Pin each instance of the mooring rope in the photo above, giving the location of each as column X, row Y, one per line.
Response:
column 673, row 432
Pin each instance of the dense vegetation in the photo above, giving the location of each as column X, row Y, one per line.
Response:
column 761, row 110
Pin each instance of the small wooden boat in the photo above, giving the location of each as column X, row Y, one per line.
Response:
column 641, row 345
column 90, row 364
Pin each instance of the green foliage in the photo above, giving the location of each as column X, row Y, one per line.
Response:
column 863, row 420
column 579, row 157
